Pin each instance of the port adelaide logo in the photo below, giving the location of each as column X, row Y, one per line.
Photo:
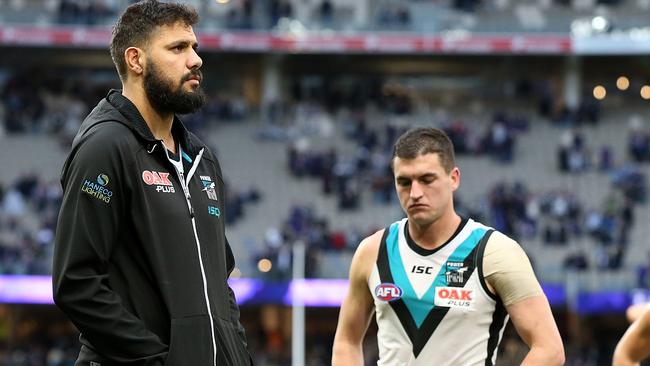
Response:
column 388, row 292
column 97, row 188
column 456, row 273
column 208, row 187
column 158, row 179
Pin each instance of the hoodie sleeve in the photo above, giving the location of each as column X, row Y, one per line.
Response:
column 94, row 199
column 234, row 309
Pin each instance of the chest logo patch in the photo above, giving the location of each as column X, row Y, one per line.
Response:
column 209, row 187
column 97, row 188
column 388, row 292
column 456, row 273
column 158, row 179
column 454, row 297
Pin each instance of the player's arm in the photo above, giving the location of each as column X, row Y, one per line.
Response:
column 634, row 346
column 535, row 324
column 357, row 308
column 634, row 312
column 87, row 231
column 509, row 273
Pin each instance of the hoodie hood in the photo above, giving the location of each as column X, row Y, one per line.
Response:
column 118, row 108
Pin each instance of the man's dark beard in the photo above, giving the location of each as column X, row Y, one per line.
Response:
column 166, row 100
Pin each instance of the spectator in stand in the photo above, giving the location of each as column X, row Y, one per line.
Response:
column 638, row 141
column 458, row 134
column 240, row 16
column 499, row 142
column 394, row 16
column 588, row 112
column 326, row 13
column 631, row 180
column 466, row 5
column 577, row 261
column 643, row 274
column 280, row 9
column 85, row 12
column 573, row 155
column 605, row 158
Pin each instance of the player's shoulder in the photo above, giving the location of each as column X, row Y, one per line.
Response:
column 103, row 142
column 501, row 247
column 369, row 246
column 103, row 136
column 366, row 253
column 500, row 239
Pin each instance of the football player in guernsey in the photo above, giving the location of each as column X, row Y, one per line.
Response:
column 442, row 286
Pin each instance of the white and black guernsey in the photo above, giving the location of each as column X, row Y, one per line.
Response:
column 433, row 306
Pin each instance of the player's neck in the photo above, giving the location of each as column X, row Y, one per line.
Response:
column 160, row 124
column 436, row 233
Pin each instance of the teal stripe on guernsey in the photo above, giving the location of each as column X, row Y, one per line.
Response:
column 187, row 157
column 420, row 308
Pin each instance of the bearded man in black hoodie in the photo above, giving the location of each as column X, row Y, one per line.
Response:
column 141, row 260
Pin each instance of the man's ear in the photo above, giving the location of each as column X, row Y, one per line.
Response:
column 455, row 178
column 134, row 58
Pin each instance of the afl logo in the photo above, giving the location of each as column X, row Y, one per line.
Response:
column 388, row 292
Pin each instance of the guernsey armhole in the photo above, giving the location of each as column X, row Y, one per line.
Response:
column 480, row 253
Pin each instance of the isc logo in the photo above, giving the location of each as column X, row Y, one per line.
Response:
column 214, row 211
column 422, row 269
column 388, row 292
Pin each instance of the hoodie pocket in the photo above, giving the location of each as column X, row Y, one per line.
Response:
column 232, row 343
column 191, row 342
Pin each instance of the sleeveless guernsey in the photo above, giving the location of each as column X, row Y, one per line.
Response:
column 433, row 306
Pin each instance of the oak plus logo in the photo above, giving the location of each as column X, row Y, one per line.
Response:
column 158, row 179
column 454, row 297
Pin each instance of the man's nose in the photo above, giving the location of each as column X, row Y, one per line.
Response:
column 195, row 61
column 416, row 190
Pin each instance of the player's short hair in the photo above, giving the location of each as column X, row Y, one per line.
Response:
column 136, row 25
column 425, row 140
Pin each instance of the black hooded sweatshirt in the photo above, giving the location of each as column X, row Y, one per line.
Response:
column 141, row 260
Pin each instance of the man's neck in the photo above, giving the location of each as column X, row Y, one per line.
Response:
column 159, row 124
column 436, row 233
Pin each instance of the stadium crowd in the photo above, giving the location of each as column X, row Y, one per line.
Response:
column 28, row 213
column 28, row 206
column 413, row 15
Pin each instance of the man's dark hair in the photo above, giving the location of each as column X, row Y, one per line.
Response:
column 136, row 25
column 421, row 141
